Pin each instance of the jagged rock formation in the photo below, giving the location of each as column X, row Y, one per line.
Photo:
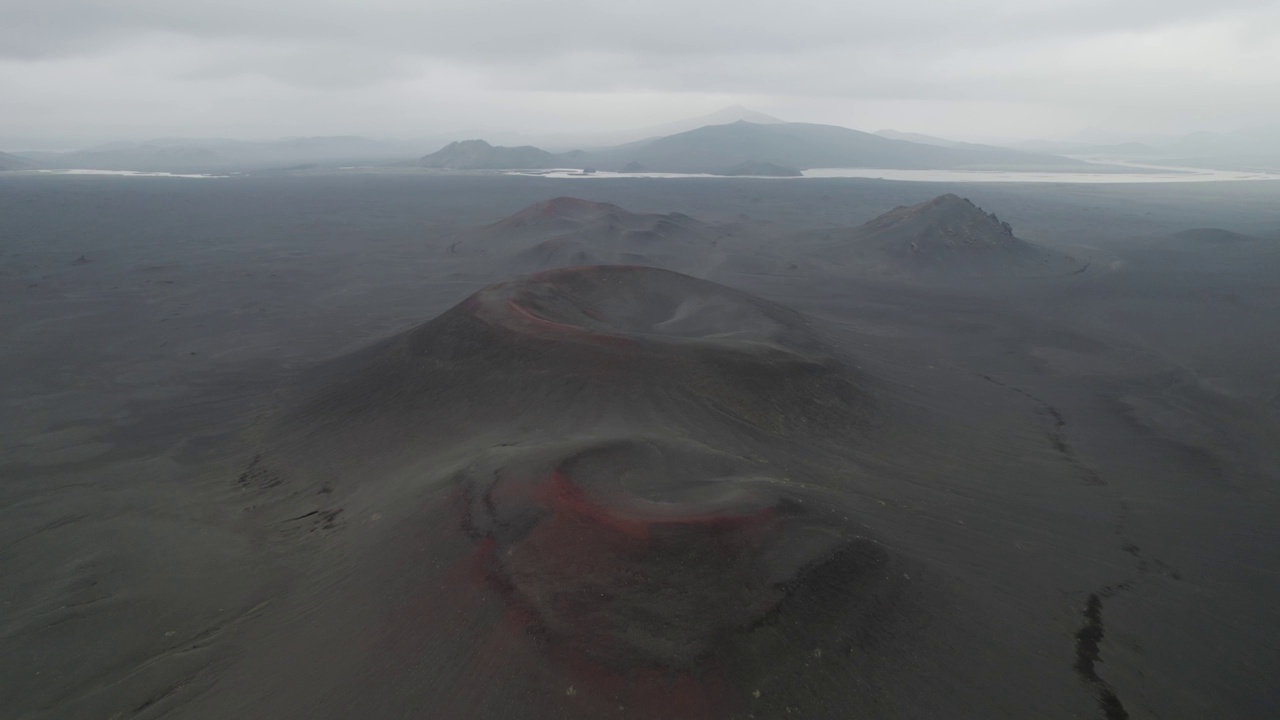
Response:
column 935, row 239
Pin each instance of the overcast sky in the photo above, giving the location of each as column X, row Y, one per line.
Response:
column 79, row 71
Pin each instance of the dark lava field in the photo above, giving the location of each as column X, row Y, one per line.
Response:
column 334, row 445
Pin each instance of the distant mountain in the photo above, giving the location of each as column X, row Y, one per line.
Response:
column 920, row 138
column 223, row 155
column 568, row 231
column 757, row 168
column 719, row 148
column 1244, row 162
column 1119, row 150
column 13, row 162
column 1258, row 140
column 947, row 236
column 1254, row 149
column 592, row 140
column 738, row 147
column 145, row 157
column 724, row 116
column 480, row 155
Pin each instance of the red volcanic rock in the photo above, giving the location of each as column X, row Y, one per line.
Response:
column 567, row 231
column 647, row 571
column 566, row 208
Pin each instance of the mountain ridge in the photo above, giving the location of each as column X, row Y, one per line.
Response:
column 10, row 162
column 946, row 236
column 480, row 155
column 728, row 149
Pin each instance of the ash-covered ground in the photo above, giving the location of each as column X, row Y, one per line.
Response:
column 396, row 445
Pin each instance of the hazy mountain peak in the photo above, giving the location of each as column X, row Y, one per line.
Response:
column 946, row 221
column 562, row 208
column 943, row 239
column 802, row 146
column 480, row 155
column 13, row 162
column 723, row 116
column 918, row 138
column 738, row 113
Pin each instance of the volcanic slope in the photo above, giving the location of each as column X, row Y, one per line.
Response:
column 947, row 237
column 567, row 231
column 1209, row 237
column 613, row 487
column 549, row 342
column 1196, row 257
column 1205, row 248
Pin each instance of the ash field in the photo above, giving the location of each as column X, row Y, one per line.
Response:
column 466, row 445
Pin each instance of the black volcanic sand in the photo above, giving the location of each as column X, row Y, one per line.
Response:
column 662, row 495
column 625, row 491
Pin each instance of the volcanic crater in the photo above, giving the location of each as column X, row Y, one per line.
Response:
column 640, row 553
column 635, row 348
column 668, row 536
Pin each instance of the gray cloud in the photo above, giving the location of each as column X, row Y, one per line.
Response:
column 488, row 29
column 449, row 63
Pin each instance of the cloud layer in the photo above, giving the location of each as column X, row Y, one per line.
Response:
column 96, row 69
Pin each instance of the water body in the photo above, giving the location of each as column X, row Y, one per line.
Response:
column 126, row 173
column 1141, row 174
